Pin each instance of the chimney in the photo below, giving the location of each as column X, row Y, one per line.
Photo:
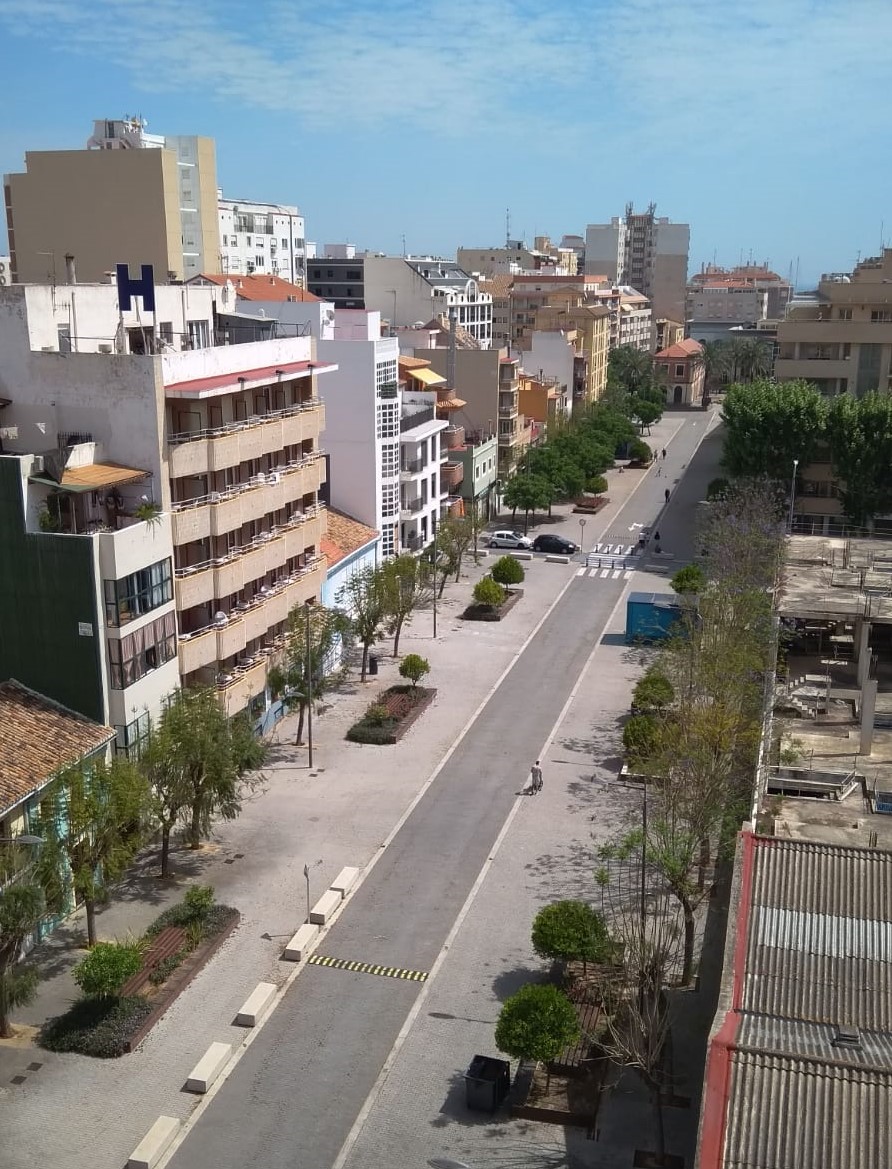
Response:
column 70, row 272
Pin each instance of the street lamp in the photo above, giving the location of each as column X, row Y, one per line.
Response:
column 582, row 534
column 793, row 493
column 309, row 680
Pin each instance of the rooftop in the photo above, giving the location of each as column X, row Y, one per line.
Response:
column 837, row 578
column 345, row 536
column 94, row 477
column 682, row 349
column 257, row 287
column 799, row 1068
column 38, row 738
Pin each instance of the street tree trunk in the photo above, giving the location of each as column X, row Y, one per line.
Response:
column 165, row 851
column 365, row 661
column 659, row 1127
column 301, row 714
column 703, row 862
column 687, row 967
column 90, row 907
column 195, row 827
column 397, row 630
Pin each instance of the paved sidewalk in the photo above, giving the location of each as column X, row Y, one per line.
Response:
column 85, row 1113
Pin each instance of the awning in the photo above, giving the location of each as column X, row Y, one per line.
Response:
column 451, row 403
column 426, row 376
column 93, row 477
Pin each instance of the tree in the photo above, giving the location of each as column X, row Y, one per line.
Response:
column 749, row 358
column 307, row 663
column 645, row 411
column 30, row 892
column 364, row 597
column 571, row 931
column 769, row 424
column 860, row 435
column 632, row 368
column 162, row 766
column 597, row 485
column 653, row 693
column 640, row 452
column 528, row 492
column 688, row 581
column 209, row 760
column 716, row 362
column 641, row 739
column 489, row 592
column 414, row 667
column 536, row 1023
column 454, row 536
column 408, row 586
column 106, row 968
column 93, row 813
column 507, row 570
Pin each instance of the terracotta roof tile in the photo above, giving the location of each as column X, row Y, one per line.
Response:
column 497, row 285
column 687, row 348
column 38, row 738
column 345, row 535
column 260, row 288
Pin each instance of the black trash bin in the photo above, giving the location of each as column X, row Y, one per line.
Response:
column 487, row 1082
column 373, row 664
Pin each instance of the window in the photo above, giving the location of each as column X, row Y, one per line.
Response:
column 881, row 316
column 131, row 739
column 249, row 241
column 390, row 460
column 140, row 652
column 388, row 420
column 284, row 243
column 165, row 331
column 137, row 594
column 259, row 261
column 390, row 500
column 199, row 337
column 679, row 371
column 844, row 314
column 353, row 274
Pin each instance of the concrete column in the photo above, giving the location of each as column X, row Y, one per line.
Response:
column 868, row 711
column 862, row 650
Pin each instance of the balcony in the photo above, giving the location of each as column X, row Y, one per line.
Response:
column 451, row 477
column 508, row 438
column 411, row 507
column 417, row 418
column 237, row 688
column 412, row 467
column 453, row 438
column 200, row 452
column 508, row 410
column 223, row 511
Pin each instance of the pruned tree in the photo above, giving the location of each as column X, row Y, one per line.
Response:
column 536, row 1023
column 408, row 586
column 653, row 693
column 107, row 967
column 364, row 598
column 529, row 493
column 688, row 581
column 568, row 931
column 414, row 667
column 454, row 537
column 308, row 664
column 94, row 813
column 162, row 766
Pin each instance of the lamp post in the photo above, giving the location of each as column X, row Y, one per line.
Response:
column 436, row 567
column 793, row 493
column 582, row 534
column 307, row 607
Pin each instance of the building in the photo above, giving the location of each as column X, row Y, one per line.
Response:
column 543, row 400
column 649, row 253
column 529, row 293
column 127, row 469
column 350, row 548
column 840, row 338
column 338, row 276
column 415, row 289
column 667, row 333
column 256, row 308
column 128, row 198
column 478, row 452
column 516, row 258
column 680, row 373
column 755, row 276
column 261, row 237
column 798, row 1069
column 5, row 271
column 588, row 327
column 500, row 288
column 424, row 491
column 722, row 301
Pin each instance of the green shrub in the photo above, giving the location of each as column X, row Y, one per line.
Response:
column 362, row 732
column 507, row 571
column 97, row 1027
column 166, row 967
column 536, row 1023
column 107, row 967
column 597, row 485
column 216, row 919
column 198, row 901
column 688, row 581
column 717, row 489
column 641, row 736
column 377, row 715
column 639, row 451
column 653, row 693
column 568, row 930
column 489, row 592
column 414, row 667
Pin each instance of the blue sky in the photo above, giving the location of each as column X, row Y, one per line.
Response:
column 762, row 124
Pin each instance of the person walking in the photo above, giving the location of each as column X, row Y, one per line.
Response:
column 666, row 493
column 535, row 778
column 664, row 452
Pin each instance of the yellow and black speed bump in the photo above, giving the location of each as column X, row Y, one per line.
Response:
column 368, row 968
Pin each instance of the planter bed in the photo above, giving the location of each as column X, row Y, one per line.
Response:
column 476, row 612
column 391, row 715
column 590, row 507
column 106, row 1029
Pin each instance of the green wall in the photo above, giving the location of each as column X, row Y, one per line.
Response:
column 47, row 585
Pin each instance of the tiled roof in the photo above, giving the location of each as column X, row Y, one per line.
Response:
column 37, row 739
column 345, row 535
column 257, row 287
column 687, row 348
column 498, row 285
column 412, row 362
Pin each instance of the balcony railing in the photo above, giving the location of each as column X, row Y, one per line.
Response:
column 453, row 437
column 261, row 541
column 260, row 480
column 412, row 505
column 417, row 418
column 413, row 466
column 242, row 423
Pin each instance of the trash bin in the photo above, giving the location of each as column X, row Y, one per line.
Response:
column 373, row 664
column 487, row 1082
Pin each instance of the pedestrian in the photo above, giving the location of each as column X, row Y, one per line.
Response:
column 656, row 537
column 666, row 493
column 659, row 470
column 535, row 778
column 664, row 452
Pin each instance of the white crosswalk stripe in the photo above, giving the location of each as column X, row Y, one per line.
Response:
column 606, row 574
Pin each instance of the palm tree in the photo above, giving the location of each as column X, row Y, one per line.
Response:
column 632, row 367
column 750, row 359
column 716, row 361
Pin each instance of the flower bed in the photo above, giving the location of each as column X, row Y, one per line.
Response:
column 475, row 612
column 391, row 714
column 110, row 1027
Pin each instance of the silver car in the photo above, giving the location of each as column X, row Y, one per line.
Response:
column 509, row 539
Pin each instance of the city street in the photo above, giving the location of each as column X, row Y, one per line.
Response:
column 295, row 1094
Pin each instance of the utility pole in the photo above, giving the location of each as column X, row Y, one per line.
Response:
column 436, row 567
column 307, row 607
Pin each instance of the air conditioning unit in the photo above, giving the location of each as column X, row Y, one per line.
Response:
column 275, row 477
column 105, row 349
column 37, row 465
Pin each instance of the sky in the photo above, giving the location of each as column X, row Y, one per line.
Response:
column 763, row 124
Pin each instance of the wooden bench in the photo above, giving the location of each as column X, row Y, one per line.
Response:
column 164, row 945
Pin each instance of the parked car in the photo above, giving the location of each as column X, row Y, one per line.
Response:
column 508, row 539
column 555, row 544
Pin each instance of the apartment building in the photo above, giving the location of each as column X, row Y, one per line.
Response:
column 680, row 373
column 424, row 478
column 266, row 238
column 129, row 197
column 756, row 276
column 588, row 327
column 722, row 301
column 840, row 338
column 338, row 276
column 516, row 258
column 416, row 289
column 667, row 333
column 499, row 287
column 646, row 252
column 161, row 494
column 530, row 293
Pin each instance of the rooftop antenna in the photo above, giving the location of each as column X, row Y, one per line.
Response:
column 507, row 227
column 404, row 245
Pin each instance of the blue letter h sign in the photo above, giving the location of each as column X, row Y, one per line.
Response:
column 128, row 287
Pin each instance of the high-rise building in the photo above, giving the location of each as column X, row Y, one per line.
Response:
column 262, row 238
column 647, row 252
column 128, row 198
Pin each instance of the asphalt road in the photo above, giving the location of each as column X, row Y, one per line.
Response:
column 293, row 1097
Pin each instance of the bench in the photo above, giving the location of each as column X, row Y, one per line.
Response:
column 300, row 943
column 345, row 880
column 557, row 559
column 208, row 1067
column 325, row 907
column 164, row 945
column 154, row 1144
column 257, row 1004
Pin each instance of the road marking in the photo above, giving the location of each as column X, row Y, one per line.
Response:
column 629, row 574
column 605, row 572
column 617, row 573
column 367, row 968
column 581, row 571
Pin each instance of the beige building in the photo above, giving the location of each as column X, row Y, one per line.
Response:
column 667, row 333
column 680, row 373
column 647, row 252
column 127, row 198
column 840, row 338
column 516, row 258
column 588, row 327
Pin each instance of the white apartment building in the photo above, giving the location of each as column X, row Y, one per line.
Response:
column 417, row 289
column 262, row 238
column 424, row 493
column 107, row 410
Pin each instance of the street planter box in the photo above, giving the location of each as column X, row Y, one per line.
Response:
column 589, row 505
column 476, row 612
column 390, row 730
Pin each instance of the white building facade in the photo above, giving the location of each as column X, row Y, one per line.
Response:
column 262, row 238
column 423, row 495
column 414, row 290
